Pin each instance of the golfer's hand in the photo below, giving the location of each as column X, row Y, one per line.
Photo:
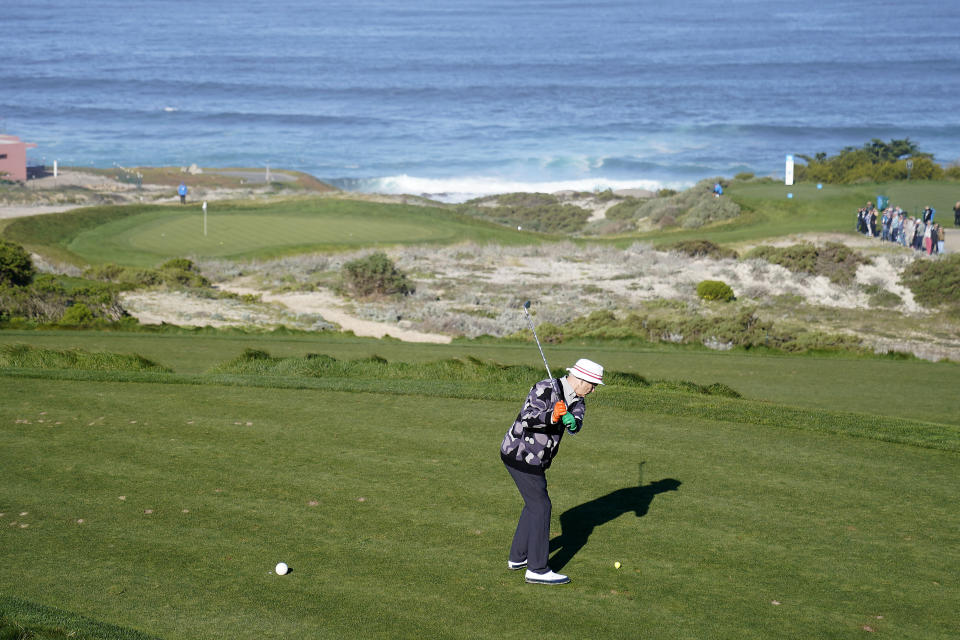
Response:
column 559, row 410
column 570, row 422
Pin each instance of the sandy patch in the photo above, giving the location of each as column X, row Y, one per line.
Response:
column 597, row 208
column 331, row 307
column 185, row 310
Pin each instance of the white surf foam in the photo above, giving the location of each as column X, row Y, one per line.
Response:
column 464, row 188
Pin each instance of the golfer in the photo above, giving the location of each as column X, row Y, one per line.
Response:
column 528, row 449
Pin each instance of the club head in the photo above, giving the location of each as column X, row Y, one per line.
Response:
column 526, row 305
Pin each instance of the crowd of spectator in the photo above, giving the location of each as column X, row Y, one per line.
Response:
column 894, row 224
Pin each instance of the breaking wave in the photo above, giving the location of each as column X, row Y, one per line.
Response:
column 461, row 189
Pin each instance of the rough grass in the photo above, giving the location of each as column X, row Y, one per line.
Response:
column 467, row 369
column 24, row 620
column 24, row 356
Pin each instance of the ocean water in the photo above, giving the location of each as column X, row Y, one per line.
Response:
column 458, row 98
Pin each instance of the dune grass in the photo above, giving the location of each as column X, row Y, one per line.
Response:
column 162, row 508
column 25, row 356
column 838, row 382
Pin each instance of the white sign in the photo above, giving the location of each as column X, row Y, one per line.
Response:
column 788, row 179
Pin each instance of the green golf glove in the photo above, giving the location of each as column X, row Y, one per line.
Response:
column 569, row 422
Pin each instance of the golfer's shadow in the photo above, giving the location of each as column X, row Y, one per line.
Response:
column 579, row 522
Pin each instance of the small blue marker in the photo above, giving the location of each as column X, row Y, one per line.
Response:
column 819, row 186
column 789, row 195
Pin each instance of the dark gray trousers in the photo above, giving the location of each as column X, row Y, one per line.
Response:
column 531, row 542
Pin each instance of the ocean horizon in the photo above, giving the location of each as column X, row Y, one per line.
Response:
column 457, row 99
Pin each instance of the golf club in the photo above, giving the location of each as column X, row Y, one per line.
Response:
column 526, row 307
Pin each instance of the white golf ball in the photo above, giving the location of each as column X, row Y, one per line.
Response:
column 519, row 228
column 616, row 565
column 282, row 568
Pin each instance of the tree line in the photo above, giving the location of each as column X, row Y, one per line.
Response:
column 875, row 161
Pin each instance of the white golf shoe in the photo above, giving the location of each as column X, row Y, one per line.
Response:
column 514, row 566
column 546, row 578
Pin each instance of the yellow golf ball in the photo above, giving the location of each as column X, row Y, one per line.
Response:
column 616, row 565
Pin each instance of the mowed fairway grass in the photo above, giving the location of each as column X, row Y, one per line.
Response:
column 161, row 503
column 149, row 235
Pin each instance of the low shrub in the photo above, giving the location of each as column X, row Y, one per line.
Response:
column 182, row 272
column 700, row 249
column 934, row 283
column 710, row 210
column 834, row 260
column 16, row 267
column 77, row 315
column 178, row 272
column 373, row 275
column 880, row 297
column 47, row 299
column 533, row 211
column 740, row 328
column 693, row 208
column 713, row 290
column 626, row 209
column 666, row 222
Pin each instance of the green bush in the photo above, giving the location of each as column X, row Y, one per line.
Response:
column 49, row 297
column 373, row 275
column 77, row 315
column 527, row 200
column 626, row 209
column 710, row 209
column 700, row 248
column 935, row 283
column 180, row 264
column 16, row 268
column 834, row 260
column 178, row 272
column 880, row 297
column 693, row 208
column 182, row 272
column 533, row 211
column 714, row 290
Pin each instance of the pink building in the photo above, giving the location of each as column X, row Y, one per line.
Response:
column 13, row 158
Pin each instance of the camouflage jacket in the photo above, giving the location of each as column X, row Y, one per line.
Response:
column 532, row 442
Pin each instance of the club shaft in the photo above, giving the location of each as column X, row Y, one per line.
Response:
column 547, row 366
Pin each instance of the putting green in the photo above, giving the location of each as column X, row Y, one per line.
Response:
column 236, row 232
